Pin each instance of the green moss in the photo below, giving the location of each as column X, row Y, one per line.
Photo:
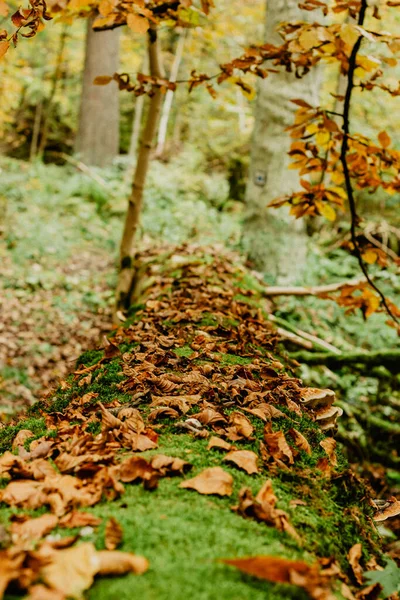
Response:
column 233, row 359
column 184, row 352
column 89, row 358
column 8, row 433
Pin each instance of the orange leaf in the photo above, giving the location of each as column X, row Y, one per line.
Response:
column 211, row 481
column 384, row 139
column 113, row 534
column 102, row 80
column 4, row 46
column 244, row 459
column 137, row 23
column 270, row 568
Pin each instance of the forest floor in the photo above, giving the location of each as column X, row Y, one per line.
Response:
column 58, row 251
column 193, row 446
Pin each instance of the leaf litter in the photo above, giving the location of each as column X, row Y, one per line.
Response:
column 212, row 372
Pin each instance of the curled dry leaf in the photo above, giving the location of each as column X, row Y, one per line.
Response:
column 219, row 444
column 33, row 529
column 239, row 426
column 41, row 592
column 211, row 481
column 170, row 465
column 21, row 437
column 244, row 459
column 72, row 570
column 79, row 519
column 300, row 441
column 354, row 556
column 113, row 534
column 119, row 563
column 329, row 445
column 10, row 566
column 278, row 446
column 282, row 570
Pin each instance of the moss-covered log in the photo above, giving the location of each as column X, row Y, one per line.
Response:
column 386, row 358
column 195, row 360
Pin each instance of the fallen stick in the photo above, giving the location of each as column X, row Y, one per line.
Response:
column 387, row 358
column 315, row 341
column 307, row 291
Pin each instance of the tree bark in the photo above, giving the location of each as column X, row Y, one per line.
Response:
column 137, row 119
column 169, row 96
column 36, row 130
column 54, row 84
column 135, row 201
column 97, row 141
column 276, row 242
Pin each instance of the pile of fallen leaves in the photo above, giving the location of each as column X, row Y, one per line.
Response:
column 198, row 357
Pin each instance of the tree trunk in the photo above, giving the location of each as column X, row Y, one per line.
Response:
column 36, row 130
column 54, row 83
column 137, row 119
column 97, row 140
column 135, row 201
column 276, row 242
column 169, row 96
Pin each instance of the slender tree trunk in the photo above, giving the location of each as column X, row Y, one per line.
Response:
column 275, row 242
column 97, row 140
column 54, row 83
column 36, row 129
column 127, row 268
column 169, row 96
column 137, row 119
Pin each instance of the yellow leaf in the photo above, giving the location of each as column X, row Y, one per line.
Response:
column 370, row 256
column 322, row 138
column 4, row 46
column 137, row 23
column 3, row 9
column 326, row 210
column 349, row 34
column 337, row 177
column 367, row 63
column 308, row 39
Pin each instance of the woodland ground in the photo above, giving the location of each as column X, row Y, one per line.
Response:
column 58, row 251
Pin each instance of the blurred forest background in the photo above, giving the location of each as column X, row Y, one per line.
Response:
column 67, row 153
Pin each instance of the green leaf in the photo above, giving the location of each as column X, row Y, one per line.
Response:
column 389, row 578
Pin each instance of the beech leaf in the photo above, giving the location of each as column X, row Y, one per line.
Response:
column 211, row 481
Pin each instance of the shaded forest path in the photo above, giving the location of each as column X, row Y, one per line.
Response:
column 231, row 456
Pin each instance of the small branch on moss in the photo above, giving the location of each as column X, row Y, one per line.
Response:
column 312, row 340
column 308, row 291
column 386, row 358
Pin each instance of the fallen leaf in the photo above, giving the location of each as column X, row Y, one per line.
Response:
column 278, row 446
column 329, row 445
column 170, row 465
column 41, row 592
column 71, row 571
column 299, row 440
column 218, row 443
column 244, row 459
column 33, row 529
column 354, row 556
column 239, row 426
column 113, row 534
column 10, row 565
column 211, row 481
column 270, row 568
column 21, row 437
column 119, row 563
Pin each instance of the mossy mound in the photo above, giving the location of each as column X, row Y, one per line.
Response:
column 195, row 353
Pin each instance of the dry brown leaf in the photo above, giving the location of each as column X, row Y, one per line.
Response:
column 119, row 563
column 21, row 437
column 329, row 445
column 113, row 534
column 278, row 446
column 163, row 413
column 108, row 419
column 299, row 440
column 244, row 459
column 170, row 465
column 41, row 592
column 78, row 519
column 71, row 571
column 136, row 468
column 354, row 556
column 239, row 426
column 25, row 493
column 219, row 444
column 33, row 529
column 10, row 567
column 211, row 481
column 270, row 568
